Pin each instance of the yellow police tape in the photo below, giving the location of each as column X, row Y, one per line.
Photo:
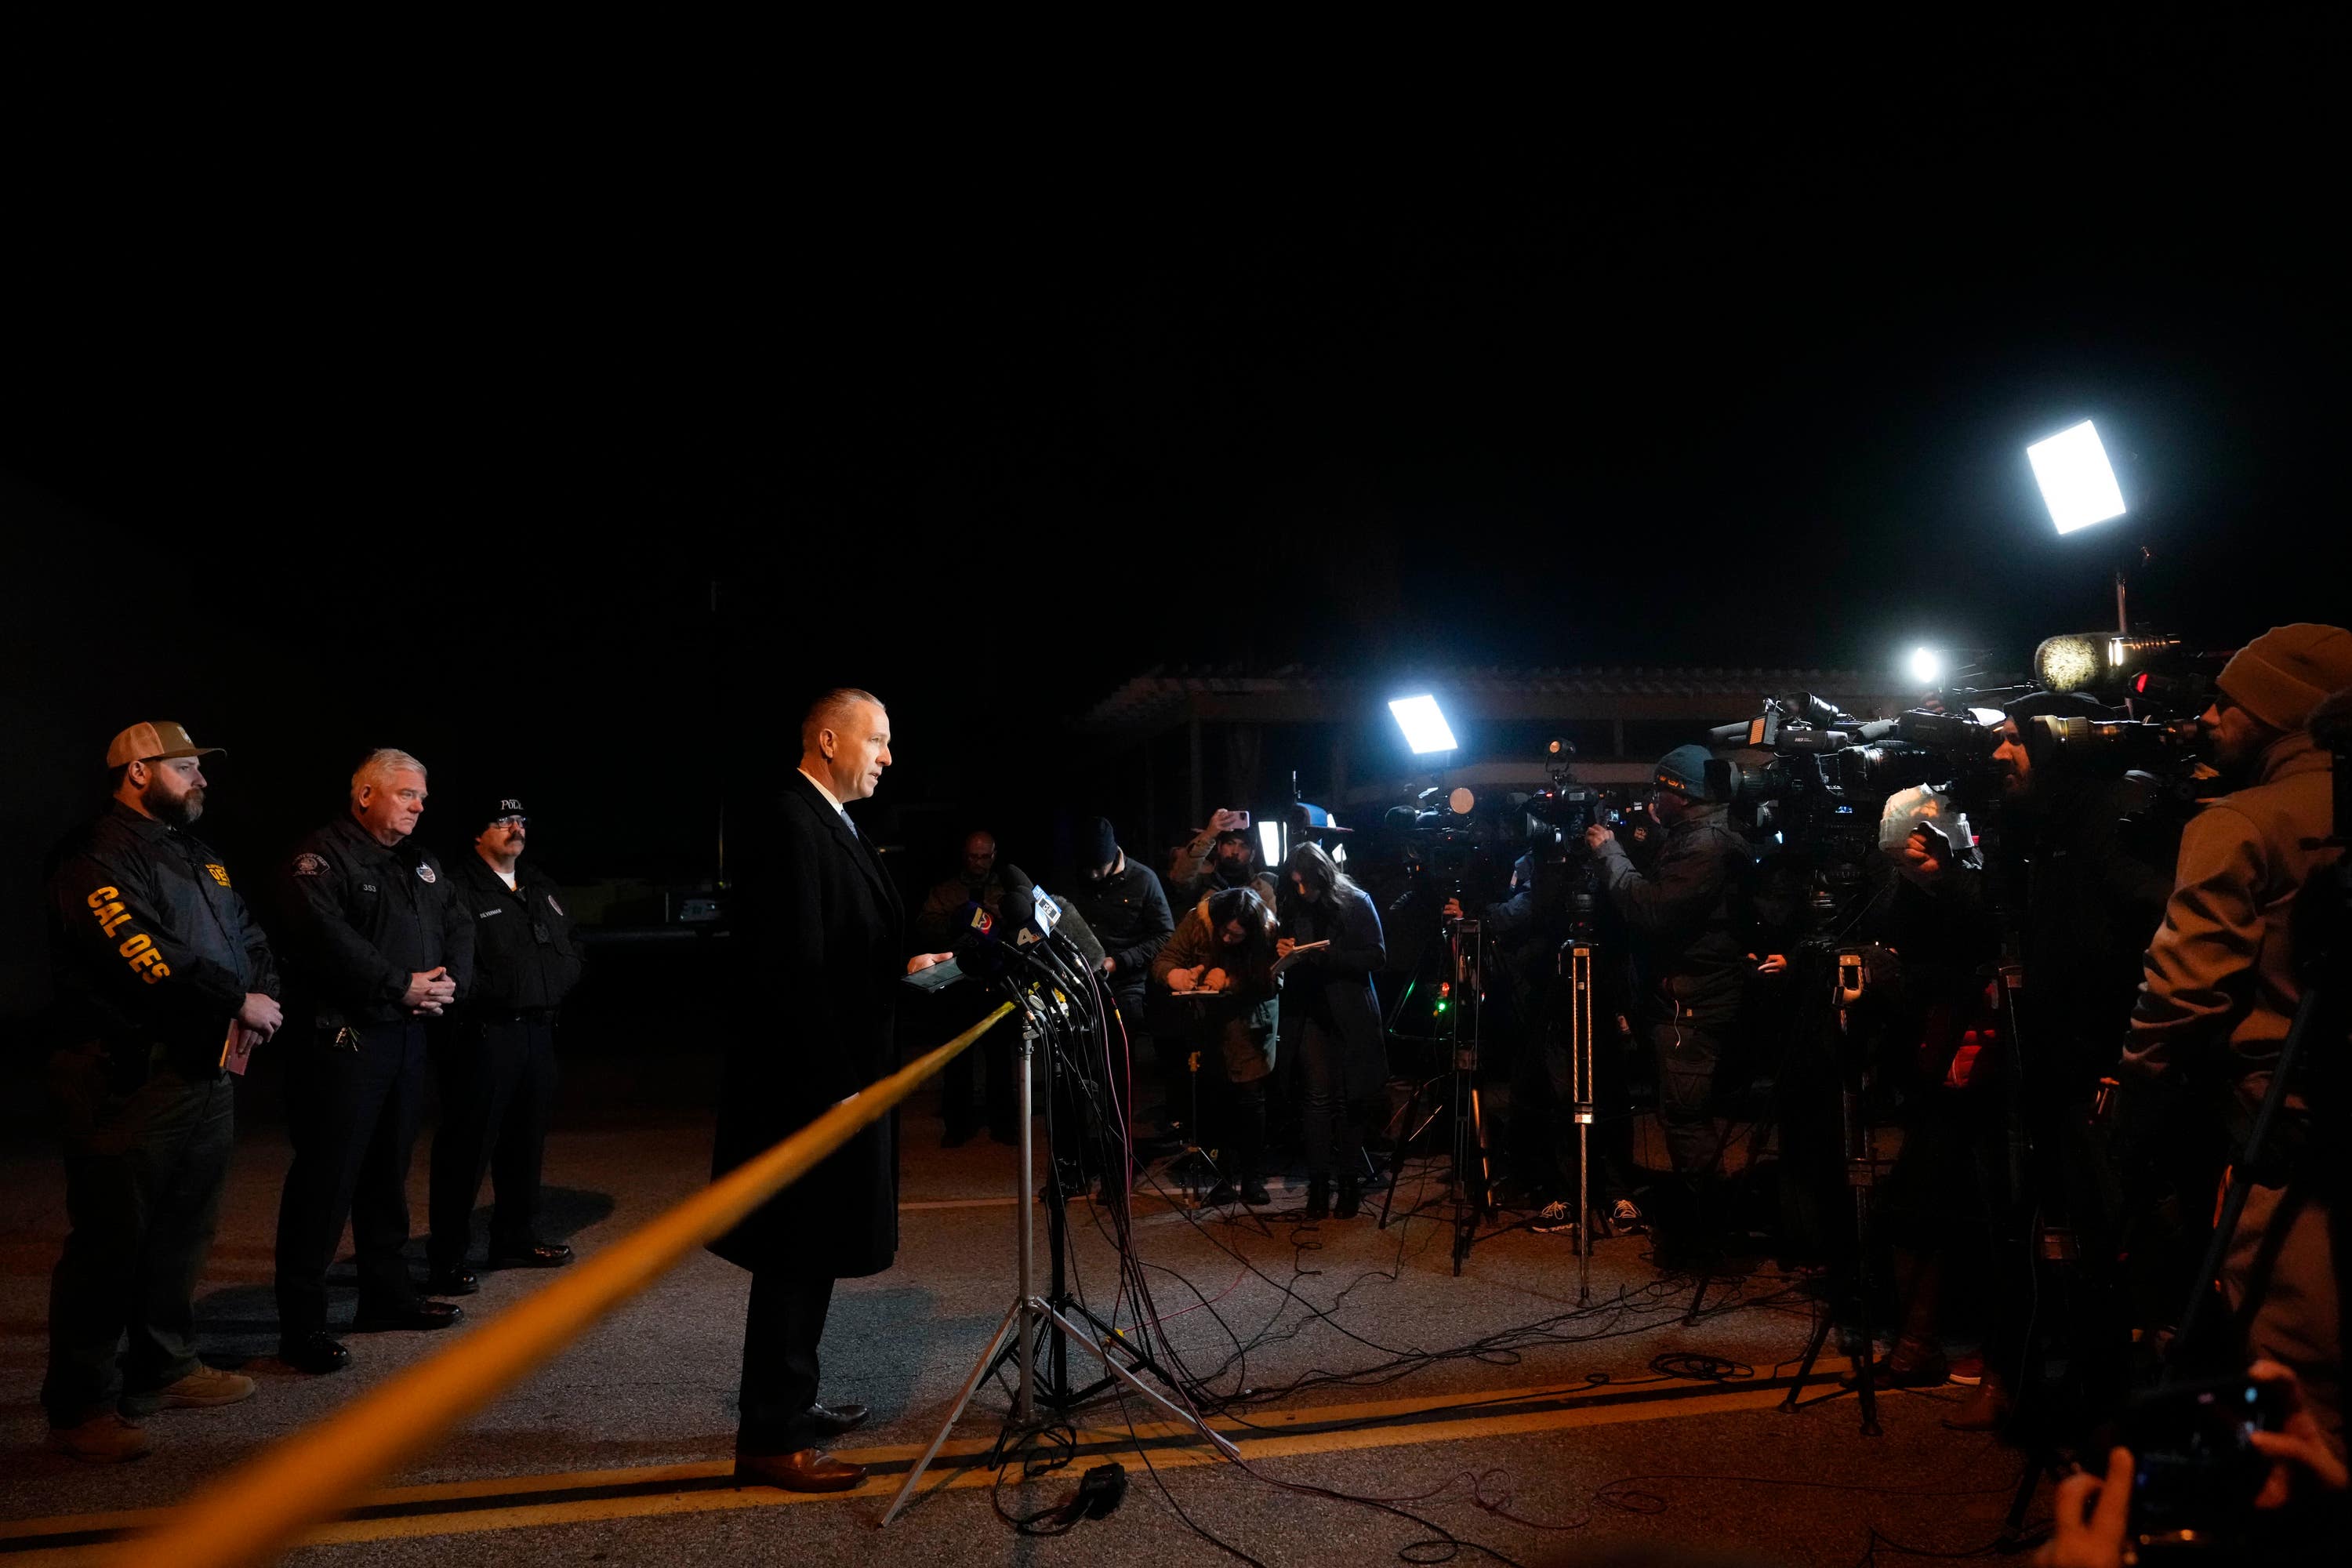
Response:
column 258, row 1511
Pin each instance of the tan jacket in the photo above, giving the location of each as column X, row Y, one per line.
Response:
column 1240, row 1023
column 2221, row 971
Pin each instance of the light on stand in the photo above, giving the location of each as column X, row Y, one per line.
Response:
column 1424, row 726
column 1927, row 667
column 2077, row 482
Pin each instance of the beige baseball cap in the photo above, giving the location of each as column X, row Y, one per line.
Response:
column 153, row 743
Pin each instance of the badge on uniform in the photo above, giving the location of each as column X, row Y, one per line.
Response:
column 219, row 873
column 424, row 871
column 309, row 865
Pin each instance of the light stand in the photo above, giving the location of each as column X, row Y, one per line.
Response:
column 1029, row 1311
column 1579, row 964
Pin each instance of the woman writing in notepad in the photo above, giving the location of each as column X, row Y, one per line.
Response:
column 1330, row 945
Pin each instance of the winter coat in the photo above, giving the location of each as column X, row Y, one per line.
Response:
column 1237, row 1025
column 2221, row 987
column 1334, row 988
column 818, row 959
column 1690, row 918
column 1129, row 915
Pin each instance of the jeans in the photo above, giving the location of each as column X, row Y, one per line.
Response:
column 145, row 1167
column 1332, row 1128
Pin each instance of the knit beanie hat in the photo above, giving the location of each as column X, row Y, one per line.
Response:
column 1098, row 843
column 2283, row 674
column 1683, row 771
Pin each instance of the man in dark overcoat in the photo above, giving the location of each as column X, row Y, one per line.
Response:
column 819, row 929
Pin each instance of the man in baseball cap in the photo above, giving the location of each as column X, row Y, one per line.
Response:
column 496, row 1057
column 162, row 740
column 1687, row 915
column 164, row 980
column 2223, row 984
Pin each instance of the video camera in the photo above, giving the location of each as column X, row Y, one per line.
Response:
column 1830, row 773
column 2149, row 677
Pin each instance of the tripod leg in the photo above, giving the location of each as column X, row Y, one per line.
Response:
column 1175, row 1412
column 1812, row 1353
column 980, row 1369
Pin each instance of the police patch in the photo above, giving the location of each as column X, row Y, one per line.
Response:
column 424, row 871
column 219, row 873
column 309, row 866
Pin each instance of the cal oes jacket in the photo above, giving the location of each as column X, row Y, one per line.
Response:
column 361, row 919
column 155, row 949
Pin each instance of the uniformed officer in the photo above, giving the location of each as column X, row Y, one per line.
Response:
column 162, row 976
column 376, row 946
column 495, row 1059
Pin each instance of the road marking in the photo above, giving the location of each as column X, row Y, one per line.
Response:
column 645, row 1492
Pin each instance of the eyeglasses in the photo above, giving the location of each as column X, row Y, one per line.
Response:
column 507, row 821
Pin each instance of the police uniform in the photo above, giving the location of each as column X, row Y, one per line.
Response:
column 155, row 952
column 496, row 1064
column 361, row 918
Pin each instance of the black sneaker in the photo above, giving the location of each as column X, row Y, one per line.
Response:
column 1626, row 1218
column 1555, row 1218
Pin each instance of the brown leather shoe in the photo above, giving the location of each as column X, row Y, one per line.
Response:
column 833, row 1420
column 200, row 1390
column 802, row 1471
column 103, row 1439
column 1986, row 1409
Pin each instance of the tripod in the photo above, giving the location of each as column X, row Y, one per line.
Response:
column 1453, row 1088
column 1861, row 1177
column 1030, row 1314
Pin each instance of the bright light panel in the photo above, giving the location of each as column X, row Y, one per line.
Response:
column 1269, row 844
column 1926, row 666
column 1423, row 726
column 2077, row 483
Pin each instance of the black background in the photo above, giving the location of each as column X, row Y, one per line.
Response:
column 567, row 426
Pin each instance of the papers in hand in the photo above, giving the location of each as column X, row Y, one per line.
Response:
column 1302, row 951
column 237, row 1051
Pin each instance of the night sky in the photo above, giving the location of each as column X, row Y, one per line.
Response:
column 438, row 430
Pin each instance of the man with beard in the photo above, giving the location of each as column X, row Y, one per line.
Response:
column 1221, row 855
column 379, row 945
column 2222, row 985
column 946, row 909
column 497, row 1059
column 163, row 977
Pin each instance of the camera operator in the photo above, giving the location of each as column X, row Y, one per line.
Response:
column 1333, row 1022
column 1942, row 1041
column 1221, row 855
column 2221, row 987
column 1528, row 927
column 1218, row 986
column 1687, row 915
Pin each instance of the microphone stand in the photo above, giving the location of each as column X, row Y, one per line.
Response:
column 1029, row 1310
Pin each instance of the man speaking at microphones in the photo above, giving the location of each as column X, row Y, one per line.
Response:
column 817, row 930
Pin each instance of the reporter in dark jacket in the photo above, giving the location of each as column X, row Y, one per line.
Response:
column 1125, row 907
column 376, row 945
column 1332, row 1020
column 161, row 970
column 496, row 1056
column 1686, row 916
